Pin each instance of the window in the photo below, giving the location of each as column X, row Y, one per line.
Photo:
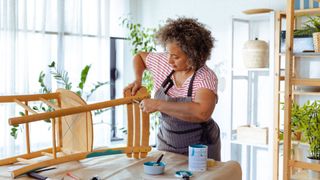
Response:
column 34, row 33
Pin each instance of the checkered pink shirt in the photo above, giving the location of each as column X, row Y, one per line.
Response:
column 157, row 64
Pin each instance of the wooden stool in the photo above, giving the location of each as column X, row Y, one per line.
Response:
column 72, row 129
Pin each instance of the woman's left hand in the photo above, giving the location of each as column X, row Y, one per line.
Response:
column 149, row 105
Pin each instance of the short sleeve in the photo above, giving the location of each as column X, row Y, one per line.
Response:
column 210, row 82
column 206, row 78
column 154, row 61
column 157, row 64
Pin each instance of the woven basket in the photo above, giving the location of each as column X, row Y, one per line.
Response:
column 316, row 41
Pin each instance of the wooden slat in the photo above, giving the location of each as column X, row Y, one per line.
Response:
column 306, row 93
column 27, row 137
column 306, row 82
column 288, row 88
column 27, row 131
column 24, row 106
column 129, row 123
column 145, row 132
column 281, row 78
column 74, row 110
column 59, row 131
column 277, row 66
column 305, row 165
column 33, row 97
column 303, row 12
column 31, row 155
column 311, row 11
column 47, row 154
column 137, row 129
column 54, row 144
column 26, row 161
column 50, row 104
column 130, row 127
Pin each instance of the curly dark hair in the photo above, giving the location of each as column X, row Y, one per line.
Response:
column 191, row 36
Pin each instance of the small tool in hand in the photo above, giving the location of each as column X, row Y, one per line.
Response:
column 159, row 160
column 136, row 101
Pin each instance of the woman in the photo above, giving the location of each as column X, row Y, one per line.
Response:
column 186, row 89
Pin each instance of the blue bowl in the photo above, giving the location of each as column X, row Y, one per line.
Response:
column 154, row 168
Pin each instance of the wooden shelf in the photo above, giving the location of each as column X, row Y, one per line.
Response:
column 311, row 11
column 302, row 93
column 305, row 55
column 305, row 82
column 303, row 12
column 304, row 165
column 306, row 93
column 293, row 83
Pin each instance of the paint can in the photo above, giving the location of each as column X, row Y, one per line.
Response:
column 198, row 154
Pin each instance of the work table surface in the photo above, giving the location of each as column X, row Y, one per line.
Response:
column 121, row 167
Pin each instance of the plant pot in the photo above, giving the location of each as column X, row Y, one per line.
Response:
column 296, row 136
column 301, row 43
column 300, row 152
column 316, row 41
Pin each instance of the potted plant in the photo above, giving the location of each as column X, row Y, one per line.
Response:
column 311, row 27
column 310, row 127
column 306, row 119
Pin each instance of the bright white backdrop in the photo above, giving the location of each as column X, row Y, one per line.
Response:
column 34, row 33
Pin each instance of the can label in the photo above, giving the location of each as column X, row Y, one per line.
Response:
column 198, row 155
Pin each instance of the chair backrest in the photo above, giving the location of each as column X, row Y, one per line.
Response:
column 72, row 129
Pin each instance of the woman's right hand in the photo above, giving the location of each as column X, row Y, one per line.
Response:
column 133, row 87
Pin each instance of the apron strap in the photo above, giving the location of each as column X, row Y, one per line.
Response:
column 168, row 82
column 191, row 84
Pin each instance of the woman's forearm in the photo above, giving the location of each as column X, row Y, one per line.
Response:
column 187, row 111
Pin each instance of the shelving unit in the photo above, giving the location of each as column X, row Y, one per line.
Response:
column 251, row 95
column 286, row 89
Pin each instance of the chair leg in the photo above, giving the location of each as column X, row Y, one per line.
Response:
column 137, row 133
column 130, row 128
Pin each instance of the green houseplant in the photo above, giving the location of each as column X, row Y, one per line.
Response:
column 306, row 119
column 141, row 39
column 62, row 78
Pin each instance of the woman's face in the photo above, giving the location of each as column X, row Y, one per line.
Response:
column 177, row 58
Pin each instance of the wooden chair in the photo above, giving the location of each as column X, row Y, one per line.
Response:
column 72, row 129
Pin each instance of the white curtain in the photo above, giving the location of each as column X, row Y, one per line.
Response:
column 33, row 33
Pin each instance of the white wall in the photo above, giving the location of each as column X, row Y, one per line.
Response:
column 216, row 14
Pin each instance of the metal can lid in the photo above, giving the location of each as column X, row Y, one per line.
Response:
column 183, row 173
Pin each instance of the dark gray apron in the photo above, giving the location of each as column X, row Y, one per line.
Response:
column 176, row 135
